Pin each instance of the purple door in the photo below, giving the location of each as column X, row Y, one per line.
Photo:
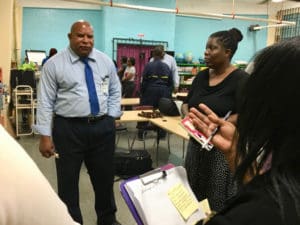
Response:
column 141, row 53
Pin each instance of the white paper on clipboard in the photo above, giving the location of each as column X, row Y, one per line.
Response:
column 153, row 203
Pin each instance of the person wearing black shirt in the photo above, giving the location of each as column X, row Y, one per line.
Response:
column 217, row 87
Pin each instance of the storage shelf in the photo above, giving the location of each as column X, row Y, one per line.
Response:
column 24, row 105
column 188, row 71
column 191, row 64
column 185, row 74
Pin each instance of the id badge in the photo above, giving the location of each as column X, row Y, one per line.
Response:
column 104, row 85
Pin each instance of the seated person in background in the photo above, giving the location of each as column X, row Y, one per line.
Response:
column 52, row 52
column 263, row 149
column 26, row 195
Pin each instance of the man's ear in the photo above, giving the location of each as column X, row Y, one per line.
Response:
column 69, row 35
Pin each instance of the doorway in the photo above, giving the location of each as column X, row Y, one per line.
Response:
column 140, row 50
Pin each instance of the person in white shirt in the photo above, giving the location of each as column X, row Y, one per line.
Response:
column 128, row 84
column 26, row 196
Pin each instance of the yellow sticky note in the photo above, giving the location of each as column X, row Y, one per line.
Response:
column 204, row 205
column 183, row 200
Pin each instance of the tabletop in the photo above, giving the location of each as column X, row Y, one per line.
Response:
column 171, row 124
column 132, row 116
column 130, row 101
column 168, row 123
column 179, row 94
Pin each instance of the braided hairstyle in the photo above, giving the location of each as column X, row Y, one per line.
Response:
column 229, row 39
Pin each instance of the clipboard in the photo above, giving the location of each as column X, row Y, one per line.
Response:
column 148, row 198
column 127, row 198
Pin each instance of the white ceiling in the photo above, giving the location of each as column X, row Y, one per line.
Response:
column 205, row 6
column 238, row 6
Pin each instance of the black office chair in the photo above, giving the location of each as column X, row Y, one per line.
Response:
column 168, row 107
column 143, row 127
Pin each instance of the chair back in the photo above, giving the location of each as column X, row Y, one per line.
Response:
column 168, row 107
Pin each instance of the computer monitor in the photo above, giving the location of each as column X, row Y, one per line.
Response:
column 36, row 56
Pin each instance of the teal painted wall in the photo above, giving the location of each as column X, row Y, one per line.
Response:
column 127, row 23
column 192, row 33
column 46, row 28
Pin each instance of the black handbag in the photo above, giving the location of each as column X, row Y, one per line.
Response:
column 132, row 163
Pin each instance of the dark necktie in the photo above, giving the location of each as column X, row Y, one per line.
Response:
column 91, row 87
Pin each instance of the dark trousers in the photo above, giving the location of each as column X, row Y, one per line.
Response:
column 152, row 94
column 128, row 89
column 78, row 141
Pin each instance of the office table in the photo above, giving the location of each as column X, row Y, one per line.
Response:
column 168, row 123
column 172, row 125
column 179, row 94
column 130, row 101
column 132, row 116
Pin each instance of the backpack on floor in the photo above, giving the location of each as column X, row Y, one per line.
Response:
column 132, row 163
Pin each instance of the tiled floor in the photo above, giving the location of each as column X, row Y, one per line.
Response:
column 47, row 166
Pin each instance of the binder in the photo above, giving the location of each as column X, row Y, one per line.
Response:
column 149, row 198
column 129, row 202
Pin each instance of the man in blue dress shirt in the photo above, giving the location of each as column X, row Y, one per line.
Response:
column 68, row 128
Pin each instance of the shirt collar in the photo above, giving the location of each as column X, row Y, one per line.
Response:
column 74, row 58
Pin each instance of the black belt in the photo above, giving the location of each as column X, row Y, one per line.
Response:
column 88, row 119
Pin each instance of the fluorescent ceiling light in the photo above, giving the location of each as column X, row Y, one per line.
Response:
column 277, row 0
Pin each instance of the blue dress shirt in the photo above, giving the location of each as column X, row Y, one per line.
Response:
column 63, row 90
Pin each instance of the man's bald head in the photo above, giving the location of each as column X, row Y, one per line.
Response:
column 80, row 23
column 81, row 38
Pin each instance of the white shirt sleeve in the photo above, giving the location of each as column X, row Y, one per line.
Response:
column 26, row 197
column 171, row 62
